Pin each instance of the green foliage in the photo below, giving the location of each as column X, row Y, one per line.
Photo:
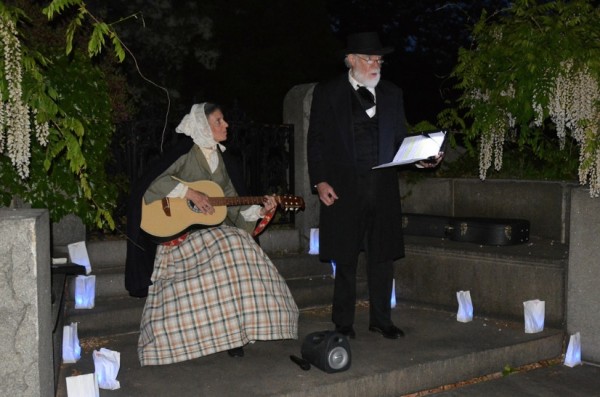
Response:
column 68, row 175
column 100, row 30
column 508, row 82
column 508, row 370
column 423, row 126
column 58, row 6
column 72, row 29
column 71, row 95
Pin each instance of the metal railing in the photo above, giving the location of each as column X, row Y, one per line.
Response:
column 267, row 157
column 265, row 153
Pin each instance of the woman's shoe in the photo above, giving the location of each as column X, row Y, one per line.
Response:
column 237, row 352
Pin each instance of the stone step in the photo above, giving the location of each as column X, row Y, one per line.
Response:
column 280, row 241
column 301, row 265
column 110, row 277
column 107, row 260
column 318, row 291
column 107, row 253
column 437, row 351
column 109, row 316
column 499, row 278
column 121, row 313
column 110, row 282
column 310, row 282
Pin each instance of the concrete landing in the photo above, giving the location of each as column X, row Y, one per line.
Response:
column 553, row 381
column 437, row 350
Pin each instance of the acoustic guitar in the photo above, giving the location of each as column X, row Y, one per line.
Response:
column 171, row 216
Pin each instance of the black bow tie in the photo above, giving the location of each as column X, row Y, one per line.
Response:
column 366, row 96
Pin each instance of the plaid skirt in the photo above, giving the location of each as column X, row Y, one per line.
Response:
column 215, row 291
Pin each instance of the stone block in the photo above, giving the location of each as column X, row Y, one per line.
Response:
column 431, row 196
column 296, row 111
column 543, row 204
column 434, row 270
column 25, row 304
column 583, row 293
column 70, row 229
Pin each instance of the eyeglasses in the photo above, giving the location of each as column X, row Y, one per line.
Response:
column 370, row 61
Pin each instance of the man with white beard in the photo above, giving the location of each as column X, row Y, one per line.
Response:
column 357, row 121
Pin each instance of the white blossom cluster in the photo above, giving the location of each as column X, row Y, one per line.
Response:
column 492, row 140
column 497, row 34
column 15, row 124
column 492, row 146
column 42, row 130
column 574, row 106
column 538, row 111
column 509, row 92
column 478, row 95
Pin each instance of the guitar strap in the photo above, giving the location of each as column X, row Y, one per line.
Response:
column 264, row 222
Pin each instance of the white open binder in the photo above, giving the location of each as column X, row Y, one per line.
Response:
column 418, row 147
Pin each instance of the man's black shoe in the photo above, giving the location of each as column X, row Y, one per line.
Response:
column 237, row 352
column 390, row 332
column 346, row 330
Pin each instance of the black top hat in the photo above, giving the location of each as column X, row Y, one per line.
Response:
column 366, row 43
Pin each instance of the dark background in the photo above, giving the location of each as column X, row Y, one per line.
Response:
column 266, row 47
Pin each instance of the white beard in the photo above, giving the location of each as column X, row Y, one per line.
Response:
column 363, row 79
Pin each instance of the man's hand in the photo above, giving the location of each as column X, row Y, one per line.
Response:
column 200, row 200
column 326, row 193
column 431, row 163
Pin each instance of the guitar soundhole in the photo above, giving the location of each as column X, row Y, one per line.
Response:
column 193, row 207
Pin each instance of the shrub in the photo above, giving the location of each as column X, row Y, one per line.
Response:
column 533, row 71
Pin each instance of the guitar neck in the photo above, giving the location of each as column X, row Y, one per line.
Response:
column 233, row 201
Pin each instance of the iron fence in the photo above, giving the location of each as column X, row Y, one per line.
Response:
column 265, row 153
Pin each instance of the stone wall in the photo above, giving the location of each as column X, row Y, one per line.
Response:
column 546, row 205
column 25, row 304
column 296, row 111
column 499, row 279
column 583, row 292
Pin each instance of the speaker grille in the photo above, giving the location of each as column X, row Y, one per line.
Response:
column 338, row 358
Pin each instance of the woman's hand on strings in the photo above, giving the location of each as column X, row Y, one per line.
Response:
column 200, row 200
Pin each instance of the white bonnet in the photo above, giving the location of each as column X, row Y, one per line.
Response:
column 195, row 125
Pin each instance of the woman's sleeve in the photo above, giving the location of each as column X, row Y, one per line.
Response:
column 164, row 183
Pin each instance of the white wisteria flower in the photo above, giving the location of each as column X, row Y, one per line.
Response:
column 16, row 117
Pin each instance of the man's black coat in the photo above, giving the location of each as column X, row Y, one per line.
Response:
column 331, row 158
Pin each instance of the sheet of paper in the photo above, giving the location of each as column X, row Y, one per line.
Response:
column 416, row 148
column 79, row 255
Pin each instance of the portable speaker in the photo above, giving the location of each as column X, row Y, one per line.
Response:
column 327, row 350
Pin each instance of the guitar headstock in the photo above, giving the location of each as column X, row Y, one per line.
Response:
column 287, row 202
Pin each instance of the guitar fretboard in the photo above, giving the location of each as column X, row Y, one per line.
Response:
column 233, row 201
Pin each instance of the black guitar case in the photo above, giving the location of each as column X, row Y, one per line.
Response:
column 425, row 225
column 489, row 231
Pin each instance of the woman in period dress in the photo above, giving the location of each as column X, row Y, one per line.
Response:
column 213, row 289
